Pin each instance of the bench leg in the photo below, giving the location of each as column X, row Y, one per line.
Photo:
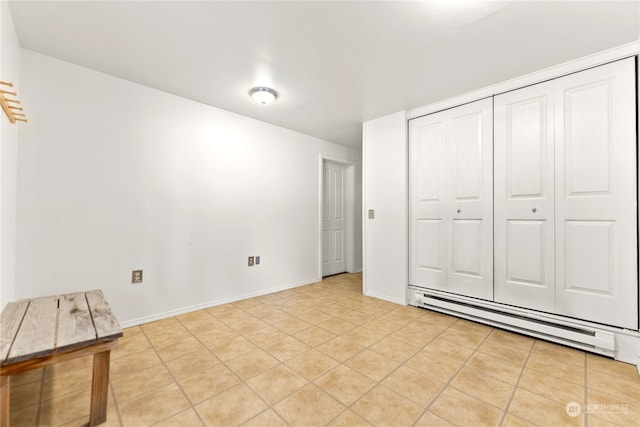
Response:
column 100, row 388
column 4, row 400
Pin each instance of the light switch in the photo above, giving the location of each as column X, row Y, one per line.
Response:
column 371, row 214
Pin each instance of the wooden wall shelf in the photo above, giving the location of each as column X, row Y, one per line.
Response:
column 10, row 104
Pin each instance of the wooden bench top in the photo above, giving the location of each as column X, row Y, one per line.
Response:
column 37, row 327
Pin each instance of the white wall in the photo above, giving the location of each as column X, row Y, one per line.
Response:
column 9, row 72
column 385, row 255
column 114, row 176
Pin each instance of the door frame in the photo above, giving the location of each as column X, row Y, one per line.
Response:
column 350, row 211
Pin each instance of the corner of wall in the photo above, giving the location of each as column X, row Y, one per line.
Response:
column 9, row 71
column 385, row 192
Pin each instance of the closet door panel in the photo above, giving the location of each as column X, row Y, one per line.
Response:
column 592, row 244
column 587, row 139
column 467, row 247
column 467, row 157
column 596, row 190
column 524, row 202
column 470, row 262
column 430, row 256
column 430, row 212
column 526, row 253
column 526, row 163
column 428, row 154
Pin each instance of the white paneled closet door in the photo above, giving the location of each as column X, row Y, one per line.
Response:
column 596, row 190
column 451, row 228
column 565, row 196
column 524, row 197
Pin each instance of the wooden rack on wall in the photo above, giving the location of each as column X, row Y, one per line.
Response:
column 11, row 105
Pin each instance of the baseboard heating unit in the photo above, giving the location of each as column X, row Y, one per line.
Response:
column 540, row 325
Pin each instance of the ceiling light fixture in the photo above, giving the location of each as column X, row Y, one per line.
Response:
column 263, row 95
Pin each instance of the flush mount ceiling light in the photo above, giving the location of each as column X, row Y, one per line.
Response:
column 263, row 95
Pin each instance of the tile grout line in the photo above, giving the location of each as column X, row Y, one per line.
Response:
column 448, row 383
column 396, row 369
column 313, row 382
column 175, row 380
column 242, row 380
column 437, row 395
column 586, row 390
column 515, row 386
column 280, row 363
column 340, row 363
column 377, row 382
column 403, row 364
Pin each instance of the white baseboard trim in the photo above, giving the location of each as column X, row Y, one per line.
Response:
column 189, row 309
column 385, row 298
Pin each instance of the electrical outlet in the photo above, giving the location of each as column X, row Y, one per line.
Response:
column 258, row 260
column 136, row 276
column 251, row 261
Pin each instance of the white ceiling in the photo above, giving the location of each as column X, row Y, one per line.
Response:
column 335, row 64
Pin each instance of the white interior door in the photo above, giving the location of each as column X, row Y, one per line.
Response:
column 333, row 218
column 451, row 225
column 524, row 197
column 596, row 228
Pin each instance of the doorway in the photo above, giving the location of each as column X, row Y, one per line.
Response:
column 336, row 218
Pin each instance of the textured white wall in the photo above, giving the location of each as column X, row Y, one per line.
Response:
column 385, row 255
column 9, row 72
column 114, row 176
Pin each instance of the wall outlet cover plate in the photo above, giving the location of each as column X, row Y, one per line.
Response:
column 136, row 276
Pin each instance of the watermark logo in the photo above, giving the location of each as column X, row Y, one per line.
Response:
column 573, row 409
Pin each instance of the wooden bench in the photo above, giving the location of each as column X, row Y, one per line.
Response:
column 40, row 332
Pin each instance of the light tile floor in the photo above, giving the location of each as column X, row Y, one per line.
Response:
column 324, row 354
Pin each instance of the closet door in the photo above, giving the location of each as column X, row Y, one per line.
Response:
column 596, row 225
column 524, row 197
column 430, row 209
column 451, row 183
